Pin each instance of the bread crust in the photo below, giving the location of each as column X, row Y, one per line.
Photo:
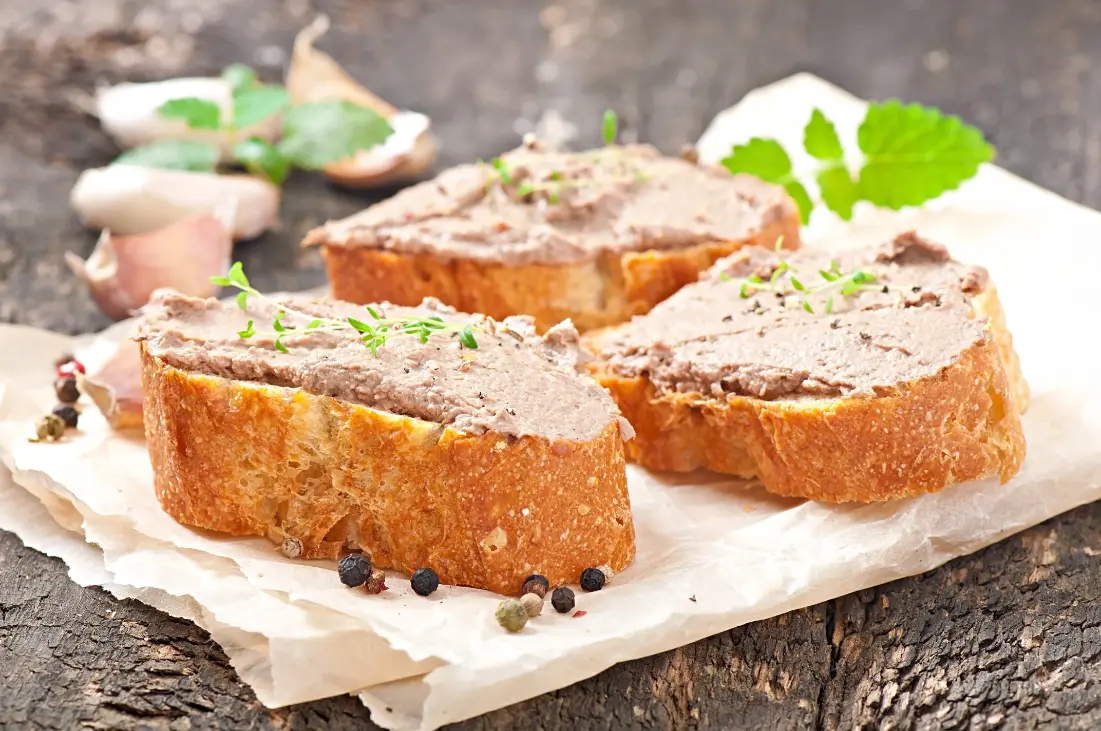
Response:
column 606, row 290
column 483, row 511
column 963, row 424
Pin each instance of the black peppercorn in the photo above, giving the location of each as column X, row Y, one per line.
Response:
column 562, row 599
column 66, row 390
column 535, row 584
column 68, row 414
column 354, row 569
column 424, row 581
column 592, row 579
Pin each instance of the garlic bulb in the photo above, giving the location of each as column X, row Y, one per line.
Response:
column 129, row 200
column 313, row 76
column 124, row 271
column 129, row 113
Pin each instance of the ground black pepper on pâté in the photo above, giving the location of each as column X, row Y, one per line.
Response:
column 424, row 581
column 354, row 569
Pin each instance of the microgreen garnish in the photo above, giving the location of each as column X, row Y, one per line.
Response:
column 313, row 135
column 909, row 154
column 609, row 127
column 834, row 281
column 374, row 335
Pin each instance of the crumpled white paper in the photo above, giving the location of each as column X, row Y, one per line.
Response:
column 712, row 553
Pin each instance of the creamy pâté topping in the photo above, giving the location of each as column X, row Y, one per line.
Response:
column 912, row 322
column 514, row 383
column 538, row 205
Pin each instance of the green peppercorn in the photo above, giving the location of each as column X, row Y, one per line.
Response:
column 49, row 428
column 66, row 390
column 511, row 615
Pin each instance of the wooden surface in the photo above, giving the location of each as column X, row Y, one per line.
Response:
column 1008, row 638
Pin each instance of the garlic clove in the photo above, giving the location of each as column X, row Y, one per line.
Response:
column 123, row 271
column 129, row 113
column 115, row 387
column 314, row 76
column 131, row 200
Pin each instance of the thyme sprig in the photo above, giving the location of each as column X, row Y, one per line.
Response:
column 373, row 334
column 834, row 282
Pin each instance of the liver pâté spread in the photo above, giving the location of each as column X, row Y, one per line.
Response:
column 542, row 206
column 912, row 321
column 514, row 383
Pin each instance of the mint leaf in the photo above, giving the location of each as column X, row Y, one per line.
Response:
column 767, row 160
column 173, row 155
column 262, row 158
column 839, row 191
column 820, row 138
column 915, row 153
column 198, row 113
column 239, row 76
column 315, row 135
column 255, row 105
column 799, row 194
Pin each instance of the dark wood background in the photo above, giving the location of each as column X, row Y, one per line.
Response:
column 1007, row 638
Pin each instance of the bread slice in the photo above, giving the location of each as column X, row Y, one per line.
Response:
column 890, row 394
column 595, row 237
column 486, row 465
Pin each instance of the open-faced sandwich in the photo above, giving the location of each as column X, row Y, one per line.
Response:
column 878, row 374
column 426, row 437
column 595, row 236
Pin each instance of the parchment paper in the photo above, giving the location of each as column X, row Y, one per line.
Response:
column 712, row 553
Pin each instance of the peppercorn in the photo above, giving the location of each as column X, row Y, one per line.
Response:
column 49, row 427
column 66, row 390
column 63, row 359
column 67, row 413
column 535, row 584
column 354, row 569
column 562, row 599
column 592, row 580
column 424, row 581
column 70, row 369
column 533, row 604
column 511, row 615
column 292, row 547
column 376, row 584
column 607, row 571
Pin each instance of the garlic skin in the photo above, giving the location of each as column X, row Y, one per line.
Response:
column 115, row 387
column 131, row 200
column 314, row 76
column 128, row 113
column 124, row 271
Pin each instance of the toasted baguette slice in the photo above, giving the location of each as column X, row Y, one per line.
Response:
column 595, row 237
column 486, row 465
column 891, row 394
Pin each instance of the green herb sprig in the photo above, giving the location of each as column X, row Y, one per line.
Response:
column 314, row 135
column 908, row 154
column 498, row 173
column 373, row 334
column 834, row 282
